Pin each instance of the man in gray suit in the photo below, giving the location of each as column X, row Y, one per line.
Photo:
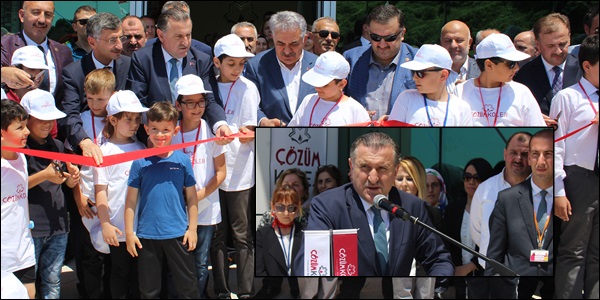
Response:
column 456, row 38
column 521, row 227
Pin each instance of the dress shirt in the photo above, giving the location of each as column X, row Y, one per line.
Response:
column 537, row 198
column 49, row 60
column 291, row 79
column 379, row 86
column 580, row 148
column 482, row 206
column 167, row 58
column 550, row 73
column 364, row 42
column 370, row 215
column 100, row 65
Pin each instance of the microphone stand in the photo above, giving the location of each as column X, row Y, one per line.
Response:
column 502, row 269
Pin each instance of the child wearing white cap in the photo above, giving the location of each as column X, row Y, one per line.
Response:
column 495, row 99
column 124, row 116
column 240, row 101
column 430, row 104
column 47, row 207
column 329, row 106
column 208, row 164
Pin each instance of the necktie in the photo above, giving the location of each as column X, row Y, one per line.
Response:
column 173, row 76
column 107, row 67
column 542, row 214
column 45, row 85
column 380, row 240
column 557, row 82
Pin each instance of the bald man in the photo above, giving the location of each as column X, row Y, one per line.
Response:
column 456, row 38
column 525, row 42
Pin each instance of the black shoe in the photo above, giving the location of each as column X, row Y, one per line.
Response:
column 224, row 296
column 266, row 293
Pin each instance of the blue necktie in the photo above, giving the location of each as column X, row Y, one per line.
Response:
column 173, row 76
column 45, row 85
column 380, row 238
column 556, row 83
column 542, row 213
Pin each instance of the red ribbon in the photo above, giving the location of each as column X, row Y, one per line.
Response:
column 116, row 158
column 573, row 132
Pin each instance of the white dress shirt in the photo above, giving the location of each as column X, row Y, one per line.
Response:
column 550, row 73
column 100, row 65
column 49, row 59
column 537, row 198
column 576, row 112
column 291, row 79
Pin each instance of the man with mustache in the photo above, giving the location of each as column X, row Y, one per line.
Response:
column 36, row 18
column 247, row 32
column 456, row 38
column 325, row 35
column 134, row 35
column 516, row 171
column 277, row 72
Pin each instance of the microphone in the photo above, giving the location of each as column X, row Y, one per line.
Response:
column 382, row 202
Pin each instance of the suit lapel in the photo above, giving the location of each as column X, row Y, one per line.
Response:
column 397, row 231
column 160, row 70
column 189, row 64
column 572, row 71
column 358, row 218
column 525, row 201
column 275, row 250
column 276, row 79
column 120, row 73
column 305, row 88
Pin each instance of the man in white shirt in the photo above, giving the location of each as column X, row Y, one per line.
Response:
column 517, row 169
column 576, row 179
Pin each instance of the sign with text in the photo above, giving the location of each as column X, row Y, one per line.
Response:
column 345, row 255
column 317, row 250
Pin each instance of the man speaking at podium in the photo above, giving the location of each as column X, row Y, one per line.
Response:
column 386, row 245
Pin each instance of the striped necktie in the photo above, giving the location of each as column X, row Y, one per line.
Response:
column 557, row 82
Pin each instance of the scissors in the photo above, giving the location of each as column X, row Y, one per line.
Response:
column 58, row 167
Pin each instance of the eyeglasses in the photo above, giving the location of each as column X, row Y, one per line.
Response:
column 511, row 64
column 112, row 41
column 469, row 177
column 82, row 22
column 127, row 37
column 192, row 105
column 421, row 73
column 387, row 38
column 325, row 33
column 290, row 208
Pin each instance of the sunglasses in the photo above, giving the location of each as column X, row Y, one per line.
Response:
column 511, row 64
column 469, row 177
column 421, row 73
column 128, row 37
column 387, row 38
column 290, row 208
column 82, row 22
column 325, row 33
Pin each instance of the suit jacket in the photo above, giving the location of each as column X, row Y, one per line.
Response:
column 263, row 69
column 61, row 55
column 513, row 233
column 148, row 79
column 341, row 208
column 270, row 260
column 195, row 44
column 358, row 78
column 74, row 102
column 533, row 75
column 473, row 71
column 355, row 43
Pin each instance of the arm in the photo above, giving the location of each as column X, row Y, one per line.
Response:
column 498, row 245
column 191, row 234
column 46, row 174
column 562, row 205
column 130, row 237
column 214, row 183
column 109, row 231
column 74, row 172
column 82, row 203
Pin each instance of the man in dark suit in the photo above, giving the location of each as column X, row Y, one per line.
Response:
column 36, row 17
column 154, row 70
column 374, row 160
column 277, row 72
column 521, row 227
column 376, row 78
column 552, row 35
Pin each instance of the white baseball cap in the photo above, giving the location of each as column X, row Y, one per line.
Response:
column 231, row 45
column 41, row 105
column 124, row 101
column 499, row 45
column 329, row 66
column 190, row 85
column 29, row 56
column 429, row 56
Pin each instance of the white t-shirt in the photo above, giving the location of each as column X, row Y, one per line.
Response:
column 209, row 213
column 17, row 244
column 12, row 287
column 345, row 113
column 241, row 104
column 409, row 108
column 518, row 106
column 115, row 177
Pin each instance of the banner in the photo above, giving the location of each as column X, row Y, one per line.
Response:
column 317, row 252
column 345, row 252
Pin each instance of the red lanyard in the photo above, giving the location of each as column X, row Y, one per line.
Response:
column 588, row 97
column 231, row 87
column 93, row 125
column 183, row 141
column 326, row 115
column 483, row 104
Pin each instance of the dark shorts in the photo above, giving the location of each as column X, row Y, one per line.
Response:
column 26, row 275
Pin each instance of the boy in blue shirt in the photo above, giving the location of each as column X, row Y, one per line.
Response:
column 164, row 229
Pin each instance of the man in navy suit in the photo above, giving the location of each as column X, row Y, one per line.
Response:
column 277, row 72
column 155, row 69
column 518, row 221
column 36, row 18
column 376, row 78
column 552, row 36
column 374, row 161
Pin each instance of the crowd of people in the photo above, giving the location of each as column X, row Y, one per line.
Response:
column 148, row 227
